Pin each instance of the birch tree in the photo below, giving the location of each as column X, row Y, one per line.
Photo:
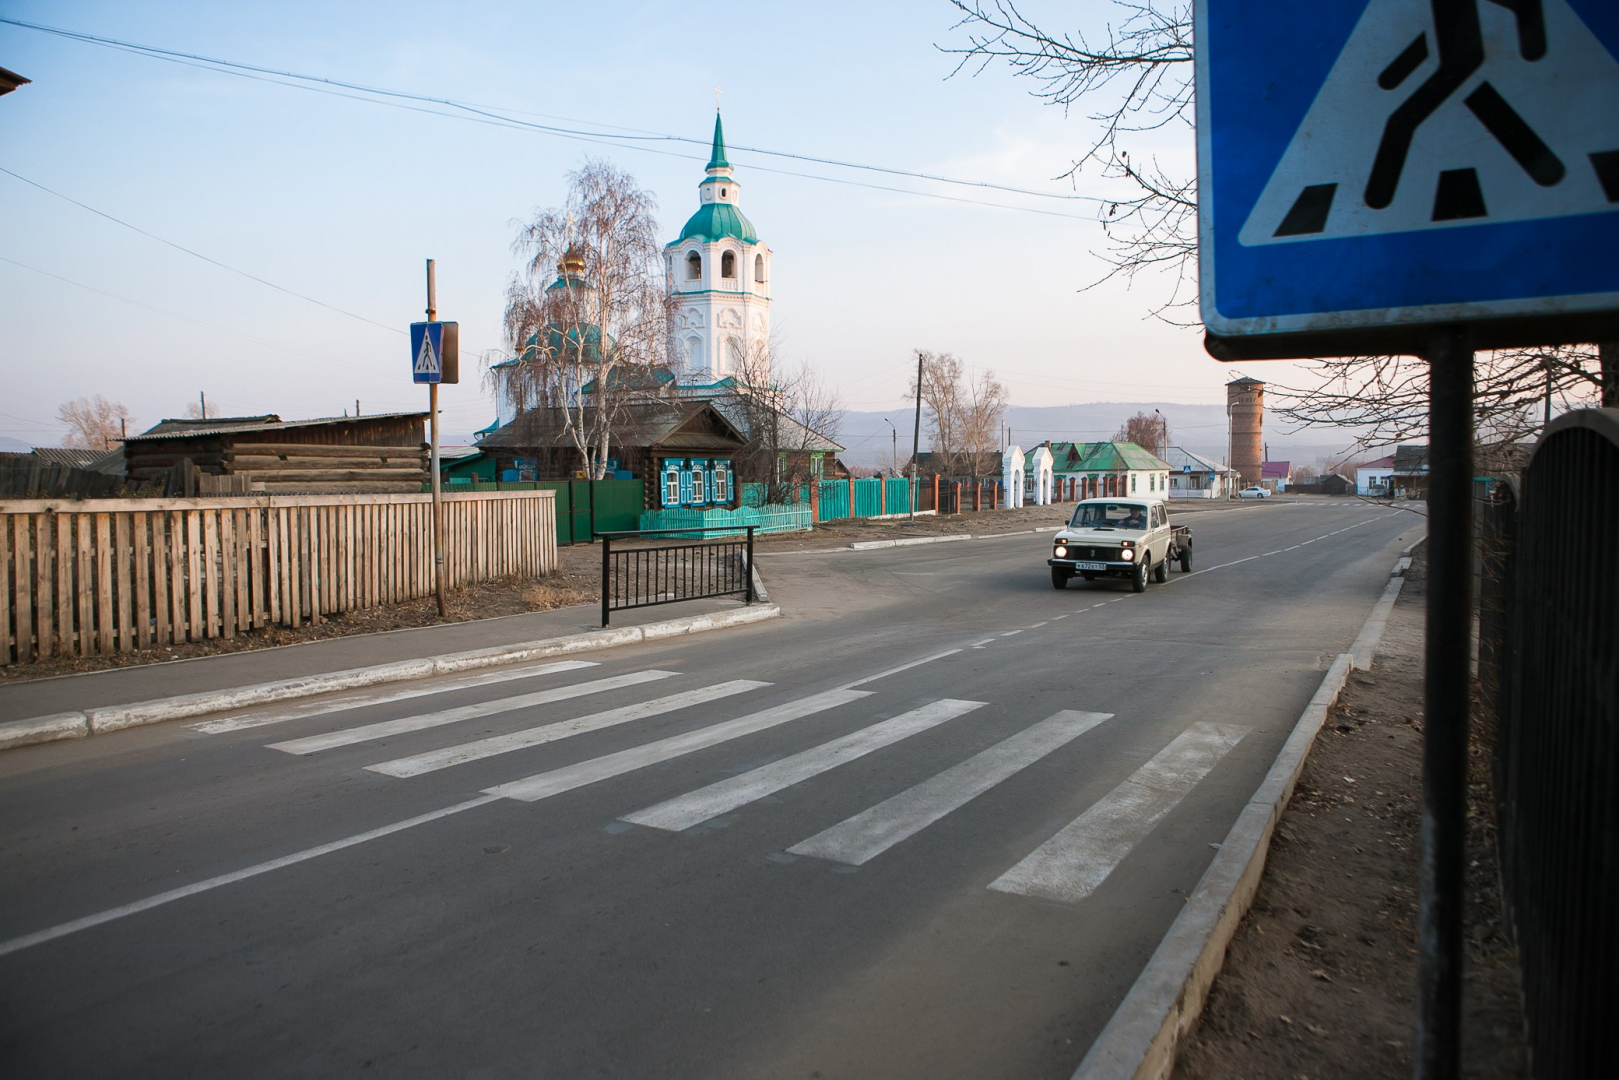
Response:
column 93, row 423
column 586, row 318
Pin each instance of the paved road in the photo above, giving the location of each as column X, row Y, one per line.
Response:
column 931, row 824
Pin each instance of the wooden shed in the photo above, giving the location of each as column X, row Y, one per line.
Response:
column 373, row 454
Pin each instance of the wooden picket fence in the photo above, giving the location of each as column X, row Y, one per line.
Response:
column 99, row 576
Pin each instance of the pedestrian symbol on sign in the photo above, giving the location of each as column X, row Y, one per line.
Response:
column 1486, row 112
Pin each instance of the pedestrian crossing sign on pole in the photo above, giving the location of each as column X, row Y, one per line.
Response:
column 434, row 352
column 1371, row 168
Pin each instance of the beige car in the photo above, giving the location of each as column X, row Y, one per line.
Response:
column 1119, row 538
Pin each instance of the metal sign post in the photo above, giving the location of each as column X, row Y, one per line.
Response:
column 1426, row 177
column 435, row 358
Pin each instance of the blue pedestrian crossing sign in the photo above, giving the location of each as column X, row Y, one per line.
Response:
column 1371, row 168
column 434, row 352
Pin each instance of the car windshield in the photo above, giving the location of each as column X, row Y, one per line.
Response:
column 1109, row 516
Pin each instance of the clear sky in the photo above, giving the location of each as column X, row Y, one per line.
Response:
column 340, row 196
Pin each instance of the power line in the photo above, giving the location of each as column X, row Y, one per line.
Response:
column 196, row 322
column 488, row 114
column 188, row 251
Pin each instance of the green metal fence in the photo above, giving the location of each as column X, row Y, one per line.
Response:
column 583, row 507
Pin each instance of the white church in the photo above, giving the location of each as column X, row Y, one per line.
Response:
column 719, row 284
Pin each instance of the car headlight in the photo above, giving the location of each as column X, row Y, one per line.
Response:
column 1061, row 552
column 1127, row 554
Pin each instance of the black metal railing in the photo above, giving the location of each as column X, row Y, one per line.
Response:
column 1557, row 749
column 648, row 574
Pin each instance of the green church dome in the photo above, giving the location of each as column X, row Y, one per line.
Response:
column 717, row 220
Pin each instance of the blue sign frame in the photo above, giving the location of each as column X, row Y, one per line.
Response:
column 1260, row 66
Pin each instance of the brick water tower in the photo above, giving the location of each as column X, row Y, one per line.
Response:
column 1245, row 406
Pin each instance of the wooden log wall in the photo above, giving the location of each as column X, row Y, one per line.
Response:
column 101, row 576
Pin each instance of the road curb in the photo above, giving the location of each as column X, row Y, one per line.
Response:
column 1141, row 1039
column 867, row 545
column 78, row 725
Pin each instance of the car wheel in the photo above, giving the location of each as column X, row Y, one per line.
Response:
column 1186, row 560
column 1160, row 573
column 1138, row 580
column 1059, row 578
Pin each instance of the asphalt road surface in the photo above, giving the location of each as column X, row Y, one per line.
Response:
column 932, row 823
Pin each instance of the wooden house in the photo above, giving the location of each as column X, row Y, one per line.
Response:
column 378, row 454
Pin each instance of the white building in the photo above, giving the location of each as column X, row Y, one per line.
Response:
column 1193, row 476
column 1375, row 477
column 719, row 279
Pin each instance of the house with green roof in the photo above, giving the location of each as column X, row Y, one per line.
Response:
column 1090, row 470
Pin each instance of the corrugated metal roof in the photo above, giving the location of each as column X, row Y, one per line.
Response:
column 1275, row 470
column 1179, row 458
column 232, row 425
column 73, row 456
column 641, row 425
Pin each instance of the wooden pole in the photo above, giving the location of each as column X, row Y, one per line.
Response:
column 438, row 495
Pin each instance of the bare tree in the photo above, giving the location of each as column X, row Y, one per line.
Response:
column 94, row 423
column 964, row 415
column 1150, row 431
column 1515, row 393
column 587, row 317
column 787, row 413
column 1135, row 77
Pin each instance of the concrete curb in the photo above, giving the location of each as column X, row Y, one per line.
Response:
column 866, row 545
column 1141, row 1039
column 78, row 725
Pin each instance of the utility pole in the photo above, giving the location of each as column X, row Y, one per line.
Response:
column 356, row 408
column 895, row 431
column 438, row 498
column 916, row 434
column 203, row 402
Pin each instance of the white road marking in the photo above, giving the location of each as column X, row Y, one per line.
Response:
column 1010, row 633
column 1267, row 554
column 421, row 722
column 63, row 929
column 1038, row 625
column 868, row 834
column 684, row 811
column 434, row 760
column 1070, row 865
column 364, row 700
column 902, row 667
column 555, row 782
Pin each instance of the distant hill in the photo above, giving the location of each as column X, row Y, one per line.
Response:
column 1198, row 428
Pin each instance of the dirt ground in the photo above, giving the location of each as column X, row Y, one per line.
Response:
column 577, row 580
column 1320, row 980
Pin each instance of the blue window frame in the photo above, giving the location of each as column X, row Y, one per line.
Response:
column 671, row 481
column 722, row 481
column 685, row 487
column 699, row 481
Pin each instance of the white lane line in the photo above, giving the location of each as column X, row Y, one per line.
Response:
column 1267, row 554
column 63, row 929
column 361, row 701
column 417, row 764
column 1055, row 617
column 902, row 667
column 555, row 782
column 421, row 722
column 1312, row 541
column 684, row 811
column 868, row 834
column 1070, row 865
column 1295, row 547
column 1010, row 633
column 1038, row 625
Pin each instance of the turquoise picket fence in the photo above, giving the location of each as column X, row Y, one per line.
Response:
column 834, row 498
column 771, row 518
column 899, row 494
column 868, row 497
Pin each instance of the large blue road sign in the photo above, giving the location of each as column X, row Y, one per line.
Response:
column 426, row 352
column 1368, row 168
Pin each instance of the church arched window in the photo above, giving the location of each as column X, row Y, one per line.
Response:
column 759, row 268
column 694, row 266
column 728, row 264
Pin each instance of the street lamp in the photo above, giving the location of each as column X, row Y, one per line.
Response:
column 1163, row 434
column 895, row 454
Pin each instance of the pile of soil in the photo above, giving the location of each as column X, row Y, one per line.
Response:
column 1321, row 978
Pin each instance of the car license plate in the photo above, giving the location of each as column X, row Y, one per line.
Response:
column 1090, row 566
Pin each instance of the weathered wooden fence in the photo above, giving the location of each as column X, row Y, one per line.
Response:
column 109, row 575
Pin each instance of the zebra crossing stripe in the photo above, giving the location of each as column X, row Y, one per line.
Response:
column 868, row 834
column 421, row 722
column 685, row 811
column 555, row 782
column 417, row 764
column 1070, row 865
column 364, row 699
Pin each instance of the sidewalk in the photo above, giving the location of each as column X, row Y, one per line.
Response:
column 122, row 697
